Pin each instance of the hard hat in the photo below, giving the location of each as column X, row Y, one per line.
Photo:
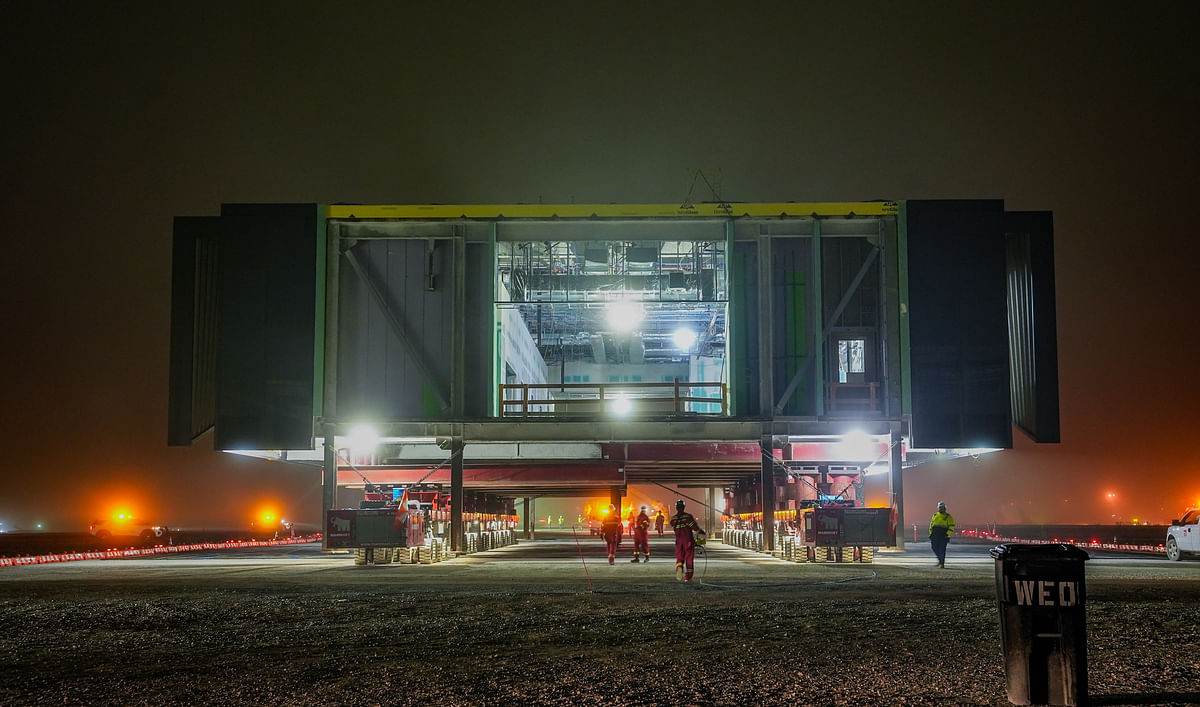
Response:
column 679, row 504
column 644, row 508
column 612, row 507
column 941, row 505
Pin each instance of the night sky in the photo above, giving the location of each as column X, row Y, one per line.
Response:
column 118, row 116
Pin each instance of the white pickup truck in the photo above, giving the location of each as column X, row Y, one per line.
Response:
column 1183, row 536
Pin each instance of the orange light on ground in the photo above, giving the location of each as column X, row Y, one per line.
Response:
column 267, row 517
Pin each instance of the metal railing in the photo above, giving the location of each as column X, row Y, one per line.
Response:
column 537, row 400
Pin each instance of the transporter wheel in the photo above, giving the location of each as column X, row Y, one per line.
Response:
column 868, row 554
column 820, row 554
column 383, row 555
column 360, row 556
column 1173, row 552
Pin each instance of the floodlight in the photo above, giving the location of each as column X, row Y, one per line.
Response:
column 684, row 338
column 624, row 315
column 362, row 439
column 858, row 445
column 622, row 406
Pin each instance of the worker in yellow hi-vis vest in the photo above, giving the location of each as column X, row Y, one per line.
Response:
column 941, row 527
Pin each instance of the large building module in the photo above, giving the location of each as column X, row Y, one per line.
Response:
column 773, row 354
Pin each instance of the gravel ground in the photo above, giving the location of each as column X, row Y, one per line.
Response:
column 470, row 632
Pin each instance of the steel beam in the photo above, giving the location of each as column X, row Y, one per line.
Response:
column 458, row 247
column 606, row 430
column 456, row 494
column 329, row 483
column 610, row 211
column 766, row 327
column 896, row 481
column 484, row 477
column 732, row 332
column 329, row 475
column 767, row 447
column 818, row 323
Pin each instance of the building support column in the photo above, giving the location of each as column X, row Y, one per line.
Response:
column 456, row 494
column 767, row 448
column 816, row 290
column 328, row 483
column 896, row 482
column 333, row 247
column 527, row 515
column 709, row 513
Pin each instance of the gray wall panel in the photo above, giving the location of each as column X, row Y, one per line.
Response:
column 192, row 393
column 378, row 374
column 1032, row 322
column 478, row 355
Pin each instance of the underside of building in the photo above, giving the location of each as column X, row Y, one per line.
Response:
column 773, row 354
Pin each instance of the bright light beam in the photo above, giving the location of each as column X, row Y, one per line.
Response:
column 625, row 316
column 363, row 439
column 684, row 338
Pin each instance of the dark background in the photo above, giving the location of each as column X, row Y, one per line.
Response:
column 118, row 116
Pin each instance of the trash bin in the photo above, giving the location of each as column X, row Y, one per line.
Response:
column 1042, row 601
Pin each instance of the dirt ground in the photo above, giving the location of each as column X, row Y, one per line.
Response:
column 520, row 625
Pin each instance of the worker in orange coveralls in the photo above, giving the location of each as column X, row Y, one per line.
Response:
column 611, row 530
column 686, row 530
column 658, row 522
column 641, row 536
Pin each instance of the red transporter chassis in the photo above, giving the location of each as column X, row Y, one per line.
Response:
column 844, row 534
